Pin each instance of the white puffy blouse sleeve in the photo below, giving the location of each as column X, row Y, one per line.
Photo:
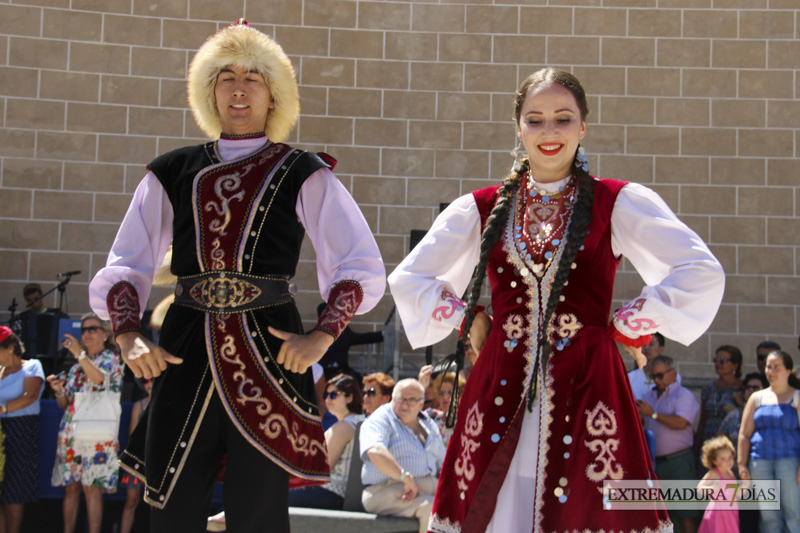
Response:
column 427, row 284
column 139, row 247
column 685, row 282
column 342, row 240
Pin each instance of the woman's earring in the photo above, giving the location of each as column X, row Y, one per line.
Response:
column 581, row 159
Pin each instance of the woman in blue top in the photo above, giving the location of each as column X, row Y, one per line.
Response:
column 770, row 438
column 21, row 386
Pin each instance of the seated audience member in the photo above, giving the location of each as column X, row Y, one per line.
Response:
column 343, row 399
column 402, row 452
column 669, row 411
column 443, row 384
column 378, row 389
column 763, row 349
column 640, row 377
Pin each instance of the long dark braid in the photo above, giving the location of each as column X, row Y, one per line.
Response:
column 576, row 233
column 495, row 223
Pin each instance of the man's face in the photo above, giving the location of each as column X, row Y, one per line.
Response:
column 653, row 349
column 31, row 296
column 662, row 376
column 761, row 358
column 243, row 100
column 407, row 403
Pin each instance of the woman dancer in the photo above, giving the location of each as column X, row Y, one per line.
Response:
column 547, row 414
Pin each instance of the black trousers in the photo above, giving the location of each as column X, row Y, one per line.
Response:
column 255, row 493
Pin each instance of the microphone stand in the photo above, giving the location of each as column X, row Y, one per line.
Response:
column 61, row 288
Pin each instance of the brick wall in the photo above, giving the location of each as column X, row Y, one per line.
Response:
column 698, row 99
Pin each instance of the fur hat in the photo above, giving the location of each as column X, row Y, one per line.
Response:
column 242, row 46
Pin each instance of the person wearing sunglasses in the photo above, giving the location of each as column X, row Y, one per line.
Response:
column 343, row 399
column 403, row 453
column 378, row 389
column 97, row 469
column 669, row 409
column 720, row 396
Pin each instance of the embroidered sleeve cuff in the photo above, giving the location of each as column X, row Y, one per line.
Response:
column 123, row 308
column 632, row 322
column 450, row 309
column 638, row 342
column 342, row 305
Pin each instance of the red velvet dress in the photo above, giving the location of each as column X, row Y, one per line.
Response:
column 589, row 428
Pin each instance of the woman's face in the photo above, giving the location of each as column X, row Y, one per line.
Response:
column 335, row 405
column 93, row 336
column 445, row 393
column 750, row 387
column 776, row 371
column 550, row 127
column 7, row 356
column 723, row 365
column 374, row 397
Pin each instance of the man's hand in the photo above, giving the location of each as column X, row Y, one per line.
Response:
column 144, row 358
column 299, row 352
column 644, row 408
column 411, row 489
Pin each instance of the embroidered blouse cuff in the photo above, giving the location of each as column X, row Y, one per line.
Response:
column 617, row 336
column 343, row 302
column 123, row 308
column 632, row 320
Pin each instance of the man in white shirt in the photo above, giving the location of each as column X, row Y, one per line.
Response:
column 403, row 452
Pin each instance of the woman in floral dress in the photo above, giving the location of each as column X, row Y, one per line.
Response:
column 84, row 464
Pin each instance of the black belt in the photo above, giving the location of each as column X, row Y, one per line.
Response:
column 232, row 292
column 680, row 453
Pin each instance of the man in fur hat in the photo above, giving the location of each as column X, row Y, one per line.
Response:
column 231, row 368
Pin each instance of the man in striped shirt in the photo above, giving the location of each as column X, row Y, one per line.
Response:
column 402, row 452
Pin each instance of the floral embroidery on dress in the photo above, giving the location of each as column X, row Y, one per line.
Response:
column 453, row 304
column 87, row 462
column 562, row 329
column 514, row 328
column 464, row 468
column 602, row 422
column 626, row 316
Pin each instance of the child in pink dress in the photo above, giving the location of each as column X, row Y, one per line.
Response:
column 721, row 516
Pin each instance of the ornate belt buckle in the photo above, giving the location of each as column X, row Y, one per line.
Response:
column 223, row 292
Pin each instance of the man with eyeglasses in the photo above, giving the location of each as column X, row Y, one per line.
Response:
column 402, row 452
column 669, row 410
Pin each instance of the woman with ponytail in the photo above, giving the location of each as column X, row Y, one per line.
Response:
column 547, row 415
